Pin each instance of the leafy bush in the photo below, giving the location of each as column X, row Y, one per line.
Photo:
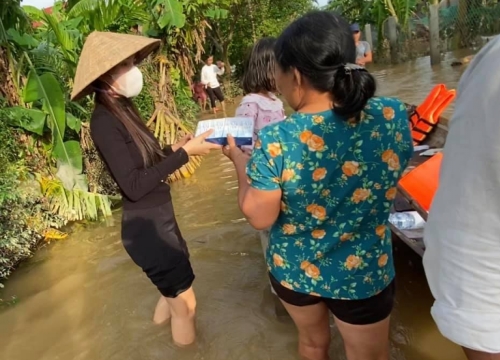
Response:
column 23, row 218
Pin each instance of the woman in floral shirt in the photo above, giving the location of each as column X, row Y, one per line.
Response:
column 325, row 179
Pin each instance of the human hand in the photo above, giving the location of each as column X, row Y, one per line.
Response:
column 360, row 62
column 220, row 64
column 198, row 145
column 232, row 151
column 182, row 142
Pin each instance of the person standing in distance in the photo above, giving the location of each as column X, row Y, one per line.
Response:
column 363, row 48
column 209, row 74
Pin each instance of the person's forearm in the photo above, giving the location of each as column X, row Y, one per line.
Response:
column 240, row 163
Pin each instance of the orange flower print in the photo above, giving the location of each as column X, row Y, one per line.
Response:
column 380, row 231
column 305, row 136
column 304, row 265
column 300, row 166
column 317, row 211
column 319, row 174
column 386, row 155
column 389, row 113
column 325, row 193
column 278, row 260
column 392, row 159
column 352, row 122
column 314, row 294
column 346, row 237
column 399, row 137
column 274, row 149
column 394, row 164
column 287, row 175
column 353, row 262
column 258, row 144
column 311, row 270
column 289, row 229
column 377, row 186
column 286, row 284
column 316, row 143
column 360, row 195
column 391, row 193
column 284, row 207
column 318, row 119
column 350, row 168
column 382, row 260
column 318, row 234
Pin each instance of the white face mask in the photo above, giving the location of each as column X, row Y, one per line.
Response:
column 129, row 84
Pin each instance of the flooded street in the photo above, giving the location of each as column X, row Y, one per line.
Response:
column 84, row 299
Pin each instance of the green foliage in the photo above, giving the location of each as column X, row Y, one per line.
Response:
column 22, row 214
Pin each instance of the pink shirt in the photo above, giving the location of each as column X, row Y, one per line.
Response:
column 264, row 110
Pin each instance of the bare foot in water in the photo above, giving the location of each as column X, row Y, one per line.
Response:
column 162, row 312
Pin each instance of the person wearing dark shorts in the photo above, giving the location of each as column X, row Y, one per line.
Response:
column 324, row 180
column 140, row 167
column 209, row 74
column 215, row 94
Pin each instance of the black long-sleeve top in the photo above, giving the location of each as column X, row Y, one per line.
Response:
column 140, row 187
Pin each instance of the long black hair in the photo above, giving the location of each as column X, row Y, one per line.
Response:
column 320, row 46
column 127, row 113
column 259, row 66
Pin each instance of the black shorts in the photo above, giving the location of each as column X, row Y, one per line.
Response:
column 215, row 93
column 355, row 312
column 154, row 242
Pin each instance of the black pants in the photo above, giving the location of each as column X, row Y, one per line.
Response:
column 215, row 93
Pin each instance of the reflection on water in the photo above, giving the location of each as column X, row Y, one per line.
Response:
column 84, row 299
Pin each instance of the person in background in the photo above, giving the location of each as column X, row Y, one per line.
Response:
column 209, row 74
column 325, row 180
column 462, row 234
column 260, row 101
column 199, row 94
column 363, row 49
column 140, row 167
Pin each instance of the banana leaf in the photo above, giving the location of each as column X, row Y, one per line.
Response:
column 32, row 120
column 68, row 154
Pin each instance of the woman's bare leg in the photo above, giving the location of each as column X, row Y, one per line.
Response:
column 313, row 325
column 162, row 311
column 183, row 309
column 365, row 342
column 479, row 355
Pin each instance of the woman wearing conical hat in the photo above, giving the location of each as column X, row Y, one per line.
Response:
column 150, row 234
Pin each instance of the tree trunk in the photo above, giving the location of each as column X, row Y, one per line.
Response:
column 463, row 32
column 225, row 59
column 8, row 88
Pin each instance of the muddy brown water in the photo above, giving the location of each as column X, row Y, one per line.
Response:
column 84, row 299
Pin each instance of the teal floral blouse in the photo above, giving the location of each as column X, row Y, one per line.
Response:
column 338, row 179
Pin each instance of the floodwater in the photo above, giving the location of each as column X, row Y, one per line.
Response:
column 84, row 299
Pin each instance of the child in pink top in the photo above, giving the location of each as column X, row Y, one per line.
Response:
column 260, row 102
column 258, row 83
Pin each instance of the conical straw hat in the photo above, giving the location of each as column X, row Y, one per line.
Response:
column 102, row 51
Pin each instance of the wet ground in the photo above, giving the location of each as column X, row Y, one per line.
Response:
column 83, row 298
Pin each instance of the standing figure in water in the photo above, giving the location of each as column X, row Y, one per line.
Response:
column 150, row 235
column 462, row 234
column 325, row 180
column 209, row 74
column 363, row 49
column 260, row 101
